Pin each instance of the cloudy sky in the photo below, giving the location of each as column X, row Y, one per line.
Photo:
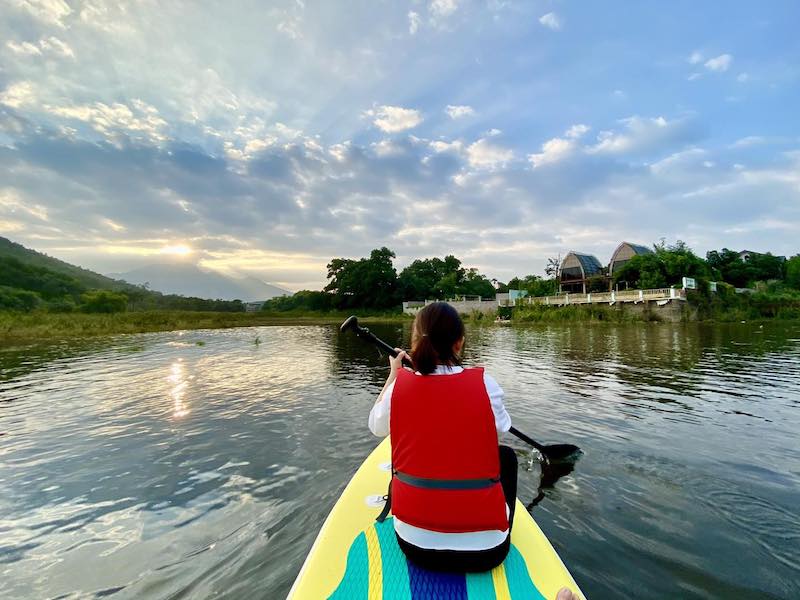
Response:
column 267, row 137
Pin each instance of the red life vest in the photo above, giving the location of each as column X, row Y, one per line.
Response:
column 445, row 460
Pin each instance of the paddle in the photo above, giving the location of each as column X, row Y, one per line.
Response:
column 551, row 452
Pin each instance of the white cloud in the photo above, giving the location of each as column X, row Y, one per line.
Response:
column 678, row 160
column 695, row 57
column 113, row 225
column 440, row 146
column 12, row 204
column 289, row 28
column 109, row 17
column 458, row 111
column 751, row 140
column 18, row 94
column 640, row 134
column 392, row 119
column 577, row 131
column 743, row 77
column 52, row 45
column 719, row 63
column 413, row 22
column 485, row 155
column 51, row 12
column 112, row 120
column 694, row 76
column 55, row 45
column 25, row 48
column 493, row 132
column 551, row 20
column 443, row 8
column 558, row 148
column 553, row 151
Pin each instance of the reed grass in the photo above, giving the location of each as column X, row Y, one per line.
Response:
column 43, row 325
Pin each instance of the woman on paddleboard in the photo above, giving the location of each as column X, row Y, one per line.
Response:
column 453, row 488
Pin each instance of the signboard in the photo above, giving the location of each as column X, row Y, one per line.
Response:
column 689, row 283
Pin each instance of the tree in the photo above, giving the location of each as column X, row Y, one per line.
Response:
column 679, row 261
column 666, row 266
column 302, row 300
column 553, row 268
column 48, row 284
column 430, row 278
column 14, row 299
column 102, row 301
column 367, row 282
column 643, row 271
column 744, row 273
column 534, row 285
column 793, row 272
column 475, row 284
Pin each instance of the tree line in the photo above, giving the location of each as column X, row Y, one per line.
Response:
column 374, row 283
column 668, row 264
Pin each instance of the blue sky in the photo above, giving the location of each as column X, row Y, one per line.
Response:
column 265, row 138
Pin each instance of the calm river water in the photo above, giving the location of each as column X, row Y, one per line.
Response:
column 199, row 464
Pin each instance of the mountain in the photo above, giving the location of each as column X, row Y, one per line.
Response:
column 87, row 279
column 190, row 280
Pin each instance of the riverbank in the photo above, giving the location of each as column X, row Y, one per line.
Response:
column 39, row 326
column 722, row 307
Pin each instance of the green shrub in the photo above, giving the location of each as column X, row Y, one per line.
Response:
column 21, row 300
column 101, row 301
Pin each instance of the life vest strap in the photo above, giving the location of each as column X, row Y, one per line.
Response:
column 446, row 484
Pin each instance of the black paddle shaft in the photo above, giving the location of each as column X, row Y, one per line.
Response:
column 550, row 452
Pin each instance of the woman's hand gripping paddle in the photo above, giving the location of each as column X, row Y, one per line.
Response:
column 550, row 453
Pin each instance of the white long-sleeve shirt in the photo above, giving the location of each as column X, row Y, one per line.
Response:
column 379, row 418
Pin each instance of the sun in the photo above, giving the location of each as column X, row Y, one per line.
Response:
column 176, row 250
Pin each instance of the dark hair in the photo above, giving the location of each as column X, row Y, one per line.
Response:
column 437, row 328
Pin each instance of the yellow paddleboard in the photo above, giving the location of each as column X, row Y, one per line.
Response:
column 355, row 557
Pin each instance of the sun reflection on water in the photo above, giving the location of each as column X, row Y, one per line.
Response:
column 178, row 382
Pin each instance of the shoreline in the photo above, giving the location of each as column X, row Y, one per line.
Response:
column 31, row 327
column 25, row 327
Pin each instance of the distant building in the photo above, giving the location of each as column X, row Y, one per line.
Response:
column 577, row 268
column 624, row 252
column 253, row 306
column 575, row 271
column 510, row 298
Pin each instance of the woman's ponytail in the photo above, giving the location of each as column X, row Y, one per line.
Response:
column 437, row 328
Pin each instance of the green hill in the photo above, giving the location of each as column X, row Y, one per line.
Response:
column 87, row 279
column 31, row 280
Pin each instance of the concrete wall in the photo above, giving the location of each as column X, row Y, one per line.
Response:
column 673, row 311
column 464, row 307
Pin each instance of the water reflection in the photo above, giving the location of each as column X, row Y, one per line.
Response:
column 177, row 391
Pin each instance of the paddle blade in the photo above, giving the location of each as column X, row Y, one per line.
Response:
column 561, row 452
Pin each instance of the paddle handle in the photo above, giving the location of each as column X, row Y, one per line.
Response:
column 366, row 334
column 516, row 432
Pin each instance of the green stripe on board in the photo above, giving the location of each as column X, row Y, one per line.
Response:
column 480, row 586
column 519, row 580
column 355, row 581
column 395, row 567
